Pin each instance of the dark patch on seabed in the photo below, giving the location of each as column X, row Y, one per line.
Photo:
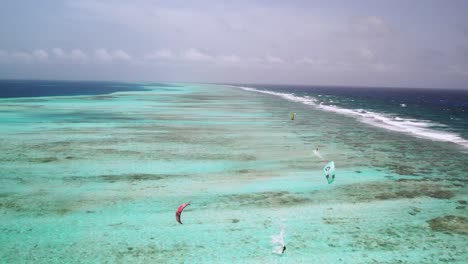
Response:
column 46, row 204
column 263, row 199
column 37, row 209
column 402, row 169
column 371, row 242
column 413, row 189
column 44, row 159
column 104, row 97
column 151, row 252
column 132, row 177
column 450, row 224
column 338, row 220
column 388, row 190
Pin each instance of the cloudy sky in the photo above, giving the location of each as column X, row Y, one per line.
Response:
column 417, row 43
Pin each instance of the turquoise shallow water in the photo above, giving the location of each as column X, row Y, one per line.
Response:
column 97, row 179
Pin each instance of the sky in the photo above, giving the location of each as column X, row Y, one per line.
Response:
column 391, row 43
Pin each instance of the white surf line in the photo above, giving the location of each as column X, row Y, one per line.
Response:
column 414, row 127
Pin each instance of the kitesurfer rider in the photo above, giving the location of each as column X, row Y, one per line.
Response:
column 284, row 248
column 293, row 115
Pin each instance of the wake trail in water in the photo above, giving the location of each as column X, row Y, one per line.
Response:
column 317, row 153
column 278, row 242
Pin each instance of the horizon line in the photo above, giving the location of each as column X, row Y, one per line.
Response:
column 238, row 84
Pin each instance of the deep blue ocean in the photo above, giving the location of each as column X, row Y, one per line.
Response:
column 437, row 114
column 33, row 88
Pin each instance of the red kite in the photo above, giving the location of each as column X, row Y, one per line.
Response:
column 179, row 211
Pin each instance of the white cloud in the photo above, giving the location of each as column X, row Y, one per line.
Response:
column 230, row 58
column 78, row 56
column 74, row 56
column 310, row 61
column 58, row 53
column 121, row 55
column 192, row 55
column 165, row 53
column 102, row 55
column 40, row 55
column 273, row 59
column 198, row 56
column 21, row 57
column 160, row 54
column 195, row 55
column 62, row 56
column 255, row 60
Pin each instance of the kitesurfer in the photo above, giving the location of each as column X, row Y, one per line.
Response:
column 293, row 116
column 278, row 242
column 332, row 178
column 329, row 170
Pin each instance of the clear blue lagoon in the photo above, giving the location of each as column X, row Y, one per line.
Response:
column 95, row 176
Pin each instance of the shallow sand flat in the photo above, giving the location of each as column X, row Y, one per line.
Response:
column 96, row 179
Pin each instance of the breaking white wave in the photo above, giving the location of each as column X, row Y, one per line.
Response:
column 414, row 127
column 290, row 97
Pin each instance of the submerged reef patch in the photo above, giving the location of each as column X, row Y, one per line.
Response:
column 44, row 159
column 103, row 97
column 385, row 190
column 264, row 199
column 338, row 220
column 45, row 206
column 450, row 224
column 402, row 169
column 131, row 177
